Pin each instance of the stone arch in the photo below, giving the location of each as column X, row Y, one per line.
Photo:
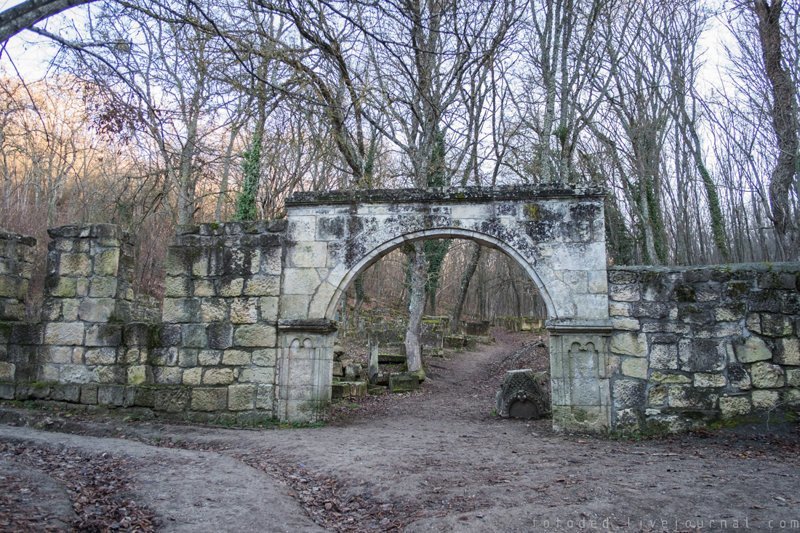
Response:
column 557, row 235
column 438, row 233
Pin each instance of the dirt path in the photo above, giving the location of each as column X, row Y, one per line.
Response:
column 440, row 460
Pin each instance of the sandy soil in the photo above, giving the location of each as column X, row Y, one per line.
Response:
column 434, row 460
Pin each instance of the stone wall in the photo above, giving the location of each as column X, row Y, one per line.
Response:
column 219, row 321
column 684, row 347
column 696, row 345
column 17, row 358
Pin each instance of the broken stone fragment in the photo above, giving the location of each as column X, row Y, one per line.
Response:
column 523, row 394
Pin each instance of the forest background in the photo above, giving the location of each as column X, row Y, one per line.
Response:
column 151, row 114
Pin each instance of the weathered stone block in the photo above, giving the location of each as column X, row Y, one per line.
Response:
column 244, row 311
column 635, row 367
column 106, row 263
column 628, row 393
column 209, row 357
column 204, row 288
column 177, row 287
column 255, row 335
column 236, row 357
column 265, row 357
column 171, row 400
column 231, row 287
column 774, row 325
column 213, row 310
column 793, row 377
column 265, row 375
column 709, row 380
column 167, row 375
column 625, row 324
column 209, row 399
column 686, row 397
column 194, row 335
column 220, row 335
column 265, row 396
column 77, row 374
column 103, row 335
column 766, row 376
column 788, row 352
column 764, row 400
column 264, row 286
column 111, row 395
column 76, row 265
column 241, row 397
column 754, row 349
column 629, row 344
column 178, row 310
column 8, row 371
column 192, row 376
column 660, row 377
column 218, row 376
column 64, row 333
column 89, row 394
column 111, row 374
column 187, row 357
column 701, row 355
column 96, row 309
column 137, row 374
column 101, row 356
column 733, row 406
column 63, row 288
column 664, row 356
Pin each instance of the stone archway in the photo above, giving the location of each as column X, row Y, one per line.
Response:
column 556, row 235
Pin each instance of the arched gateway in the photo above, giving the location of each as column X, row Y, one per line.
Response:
column 557, row 235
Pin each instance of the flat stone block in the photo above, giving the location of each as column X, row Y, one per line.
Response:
column 765, row 400
column 177, row 287
column 167, row 375
column 788, row 352
column 213, row 310
column 103, row 335
column 244, row 311
column 111, row 395
column 64, row 333
column 96, row 309
column 210, row 399
column 403, row 382
column 172, row 399
column 106, row 263
column 8, row 371
column 733, row 406
column 264, row 375
column 709, row 380
column 101, row 356
column 137, row 374
column 635, row 367
column 241, row 397
column 236, row 357
column 192, row 376
column 75, row 265
column 664, row 356
column 176, row 310
column 754, row 349
column 629, row 344
column 263, row 286
column 766, row 376
column 255, row 335
column 218, row 376
column 209, row 357
column 265, row 357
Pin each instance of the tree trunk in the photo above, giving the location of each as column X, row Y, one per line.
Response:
column 466, row 278
column 784, row 122
column 416, row 307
